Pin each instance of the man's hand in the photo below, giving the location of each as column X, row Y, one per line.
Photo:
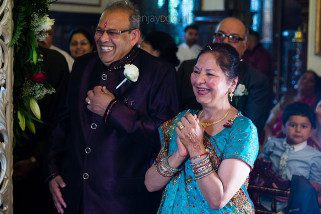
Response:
column 54, row 186
column 98, row 99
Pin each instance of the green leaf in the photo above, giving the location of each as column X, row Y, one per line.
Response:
column 22, row 121
column 31, row 126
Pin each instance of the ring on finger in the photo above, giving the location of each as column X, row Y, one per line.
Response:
column 181, row 126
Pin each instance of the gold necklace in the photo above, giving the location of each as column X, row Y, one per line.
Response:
column 207, row 124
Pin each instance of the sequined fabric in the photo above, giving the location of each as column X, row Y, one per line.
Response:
column 182, row 194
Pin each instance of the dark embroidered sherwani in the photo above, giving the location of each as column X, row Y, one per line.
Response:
column 104, row 163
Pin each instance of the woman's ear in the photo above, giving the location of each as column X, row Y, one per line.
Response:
column 234, row 84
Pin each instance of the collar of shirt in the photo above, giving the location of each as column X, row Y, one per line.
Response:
column 299, row 147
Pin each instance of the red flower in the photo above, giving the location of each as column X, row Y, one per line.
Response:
column 39, row 77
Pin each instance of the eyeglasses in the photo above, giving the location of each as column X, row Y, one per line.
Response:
column 219, row 37
column 112, row 33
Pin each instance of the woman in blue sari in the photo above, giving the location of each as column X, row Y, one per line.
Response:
column 207, row 155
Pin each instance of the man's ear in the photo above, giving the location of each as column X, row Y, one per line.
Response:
column 135, row 37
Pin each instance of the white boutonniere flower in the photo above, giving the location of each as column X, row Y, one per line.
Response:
column 240, row 90
column 131, row 73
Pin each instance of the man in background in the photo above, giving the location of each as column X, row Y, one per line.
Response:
column 47, row 43
column 189, row 49
column 257, row 56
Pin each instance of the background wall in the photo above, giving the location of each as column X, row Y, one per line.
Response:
column 69, row 17
column 78, row 8
column 314, row 61
column 210, row 5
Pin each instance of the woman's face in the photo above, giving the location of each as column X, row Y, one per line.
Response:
column 318, row 113
column 210, row 84
column 306, row 84
column 79, row 45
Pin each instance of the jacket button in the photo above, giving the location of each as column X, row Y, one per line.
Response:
column 104, row 76
column 87, row 150
column 93, row 126
column 85, row 176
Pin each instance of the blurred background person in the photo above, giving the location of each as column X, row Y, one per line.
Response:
column 162, row 45
column 257, row 56
column 80, row 42
column 308, row 91
column 47, row 43
column 315, row 140
column 189, row 49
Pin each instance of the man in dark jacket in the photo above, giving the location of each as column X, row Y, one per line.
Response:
column 255, row 101
column 107, row 136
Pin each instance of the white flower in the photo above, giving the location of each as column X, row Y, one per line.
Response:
column 240, row 90
column 40, row 26
column 131, row 73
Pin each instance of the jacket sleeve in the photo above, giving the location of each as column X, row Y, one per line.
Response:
column 162, row 104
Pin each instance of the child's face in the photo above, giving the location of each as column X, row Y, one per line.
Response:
column 297, row 129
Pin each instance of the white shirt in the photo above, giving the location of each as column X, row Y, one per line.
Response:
column 68, row 58
column 185, row 52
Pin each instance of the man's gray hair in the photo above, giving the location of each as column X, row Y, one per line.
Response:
column 134, row 15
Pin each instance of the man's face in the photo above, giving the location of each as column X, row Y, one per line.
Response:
column 116, row 44
column 231, row 26
column 47, row 42
column 191, row 36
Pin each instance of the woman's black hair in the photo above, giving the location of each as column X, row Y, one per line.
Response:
column 226, row 57
column 165, row 44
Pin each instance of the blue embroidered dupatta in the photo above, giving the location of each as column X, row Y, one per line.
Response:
column 182, row 194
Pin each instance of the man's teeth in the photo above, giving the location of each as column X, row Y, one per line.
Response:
column 104, row 48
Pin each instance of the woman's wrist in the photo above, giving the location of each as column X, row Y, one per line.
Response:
column 192, row 158
column 196, row 150
column 175, row 160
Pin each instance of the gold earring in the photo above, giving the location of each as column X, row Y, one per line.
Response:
column 231, row 94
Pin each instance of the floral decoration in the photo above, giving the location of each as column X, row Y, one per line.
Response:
column 31, row 23
column 240, row 90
